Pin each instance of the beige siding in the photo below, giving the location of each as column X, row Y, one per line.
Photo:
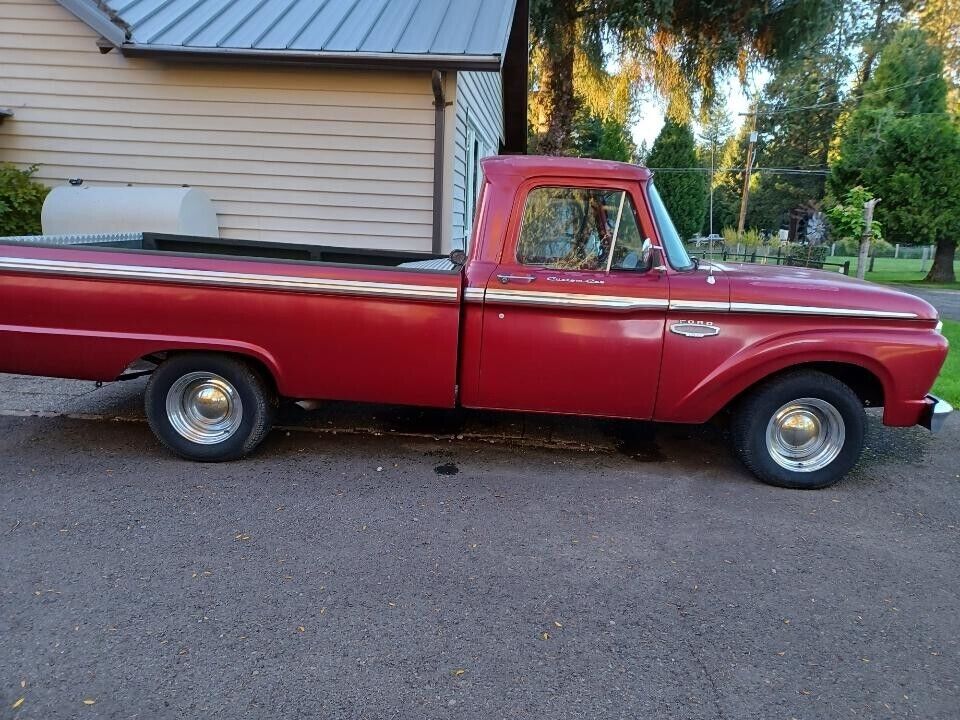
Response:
column 479, row 116
column 288, row 155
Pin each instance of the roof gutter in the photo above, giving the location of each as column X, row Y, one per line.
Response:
column 439, row 118
column 361, row 60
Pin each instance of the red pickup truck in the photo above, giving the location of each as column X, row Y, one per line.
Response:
column 577, row 297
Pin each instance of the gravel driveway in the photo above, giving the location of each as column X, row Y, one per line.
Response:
column 385, row 577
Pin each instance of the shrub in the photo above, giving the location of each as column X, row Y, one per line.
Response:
column 21, row 199
column 751, row 240
column 850, row 247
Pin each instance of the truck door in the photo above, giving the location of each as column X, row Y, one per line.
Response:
column 573, row 317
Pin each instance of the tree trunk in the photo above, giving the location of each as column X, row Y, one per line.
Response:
column 556, row 97
column 942, row 269
column 871, row 49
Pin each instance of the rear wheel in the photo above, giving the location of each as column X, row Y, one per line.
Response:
column 210, row 408
column 800, row 430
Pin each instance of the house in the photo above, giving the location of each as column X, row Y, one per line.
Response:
column 341, row 122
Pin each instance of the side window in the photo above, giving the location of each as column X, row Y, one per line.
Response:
column 576, row 228
column 628, row 250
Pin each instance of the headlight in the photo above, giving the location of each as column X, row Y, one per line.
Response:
column 939, row 327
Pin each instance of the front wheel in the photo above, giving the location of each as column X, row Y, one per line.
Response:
column 209, row 408
column 800, row 430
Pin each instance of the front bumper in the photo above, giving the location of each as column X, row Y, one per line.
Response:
column 935, row 413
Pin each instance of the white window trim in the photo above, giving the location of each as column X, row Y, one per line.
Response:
column 477, row 148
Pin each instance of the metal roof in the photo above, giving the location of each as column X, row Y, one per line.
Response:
column 437, row 32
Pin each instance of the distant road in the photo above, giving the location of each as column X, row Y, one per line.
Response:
column 946, row 301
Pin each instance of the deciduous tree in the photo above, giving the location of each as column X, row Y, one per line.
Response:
column 678, row 47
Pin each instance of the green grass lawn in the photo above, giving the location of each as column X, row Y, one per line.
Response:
column 898, row 271
column 948, row 384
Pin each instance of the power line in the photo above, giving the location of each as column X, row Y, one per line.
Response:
column 818, row 106
column 775, row 170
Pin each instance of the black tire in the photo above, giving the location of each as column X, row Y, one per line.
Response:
column 753, row 416
column 257, row 406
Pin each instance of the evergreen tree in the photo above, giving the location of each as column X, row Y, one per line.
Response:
column 801, row 104
column 903, row 146
column 715, row 137
column 684, row 191
column 728, row 179
column 869, row 25
column 794, row 139
column 606, row 139
column 941, row 21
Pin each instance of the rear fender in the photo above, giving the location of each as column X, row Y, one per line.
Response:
column 240, row 349
column 101, row 355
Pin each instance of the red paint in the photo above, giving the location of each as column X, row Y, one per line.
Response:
column 605, row 362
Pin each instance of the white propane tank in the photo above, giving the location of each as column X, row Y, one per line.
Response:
column 80, row 209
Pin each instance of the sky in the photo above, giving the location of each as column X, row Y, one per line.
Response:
column 652, row 108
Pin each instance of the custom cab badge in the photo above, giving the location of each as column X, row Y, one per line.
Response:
column 588, row 281
column 695, row 328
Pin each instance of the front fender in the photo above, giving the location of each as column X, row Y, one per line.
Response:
column 699, row 378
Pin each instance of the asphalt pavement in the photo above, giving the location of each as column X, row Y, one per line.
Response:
column 345, row 575
column 947, row 302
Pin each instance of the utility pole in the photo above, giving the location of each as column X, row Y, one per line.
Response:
column 713, row 165
column 868, row 207
column 713, row 169
column 744, row 199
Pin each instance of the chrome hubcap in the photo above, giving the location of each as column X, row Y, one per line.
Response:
column 204, row 408
column 805, row 435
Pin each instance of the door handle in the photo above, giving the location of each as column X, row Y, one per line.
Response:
column 516, row 278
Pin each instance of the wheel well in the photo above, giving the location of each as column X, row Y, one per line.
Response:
column 137, row 367
column 864, row 383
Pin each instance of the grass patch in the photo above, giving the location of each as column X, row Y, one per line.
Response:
column 948, row 384
column 899, row 271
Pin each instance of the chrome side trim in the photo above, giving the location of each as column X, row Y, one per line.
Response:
column 811, row 310
column 713, row 306
column 473, row 295
column 699, row 305
column 556, row 299
column 229, row 279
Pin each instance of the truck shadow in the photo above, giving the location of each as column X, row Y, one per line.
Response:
column 687, row 449
column 633, row 439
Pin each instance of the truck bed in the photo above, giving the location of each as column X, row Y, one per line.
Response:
column 323, row 322
column 255, row 250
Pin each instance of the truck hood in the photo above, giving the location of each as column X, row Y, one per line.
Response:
column 752, row 284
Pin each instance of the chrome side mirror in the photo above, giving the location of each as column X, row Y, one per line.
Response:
column 646, row 255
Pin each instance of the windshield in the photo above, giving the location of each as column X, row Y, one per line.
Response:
column 672, row 244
